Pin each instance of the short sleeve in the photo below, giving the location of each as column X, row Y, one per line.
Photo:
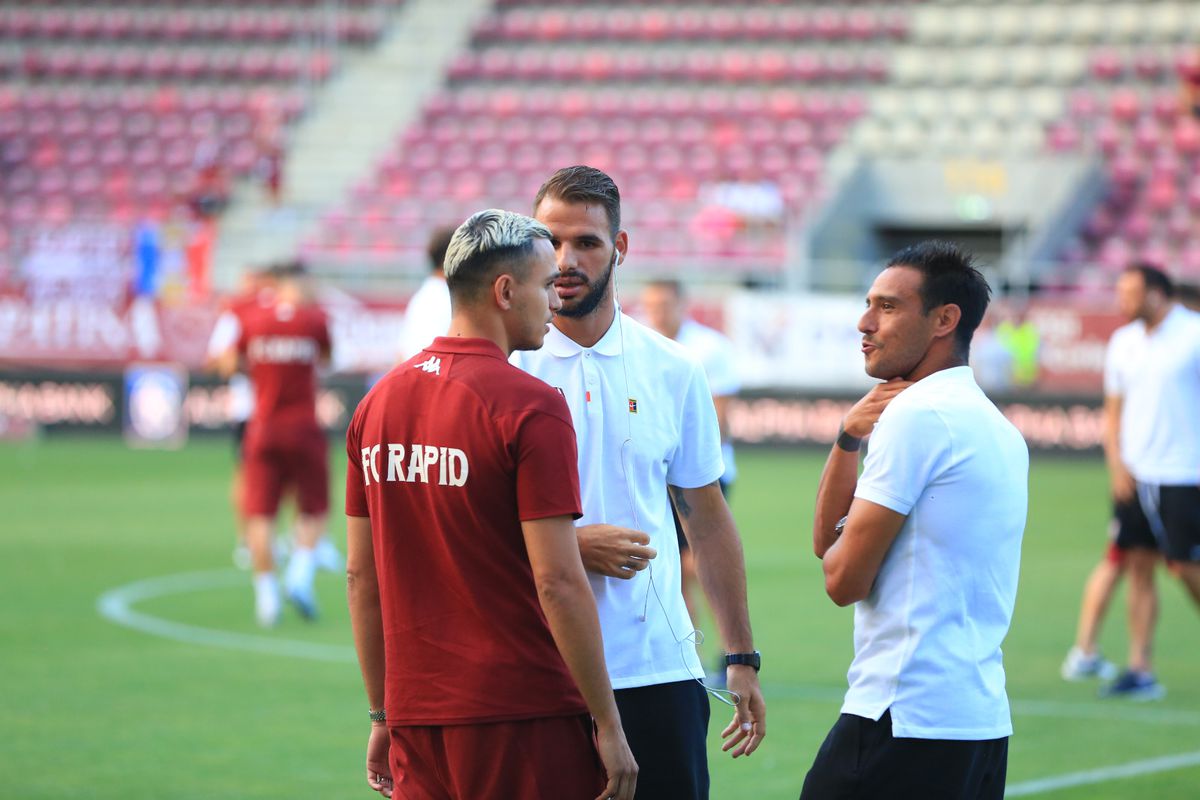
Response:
column 225, row 334
column 697, row 460
column 356, row 493
column 1113, row 385
column 723, row 377
column 905, row 454
column 547, row 466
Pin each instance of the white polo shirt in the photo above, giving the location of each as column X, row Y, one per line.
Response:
column 426, row 317
column 644, row 418
column 1157, row 377
column 716, row 355
column 927, row 638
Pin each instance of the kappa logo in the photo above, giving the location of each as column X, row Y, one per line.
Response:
column 432, row 364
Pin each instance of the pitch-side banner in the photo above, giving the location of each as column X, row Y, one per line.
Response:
column 807, row 343
column 797, row 341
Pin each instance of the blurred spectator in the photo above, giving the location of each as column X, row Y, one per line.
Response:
column 208, row 194
column 270, row 143
column 147, row 249
column 1020, row 337
column 1189, row 74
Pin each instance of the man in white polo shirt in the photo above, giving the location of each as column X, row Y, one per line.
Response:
column 926, row 543
column 1152, row 394
column 645, row 424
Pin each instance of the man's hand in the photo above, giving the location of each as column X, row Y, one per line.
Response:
column 1123, row 485
column 379, row 770
column 618, row 762
column 749, row 725
column 614, row 551
column 861, row 418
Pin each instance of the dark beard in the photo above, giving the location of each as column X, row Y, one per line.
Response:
column 590, row 301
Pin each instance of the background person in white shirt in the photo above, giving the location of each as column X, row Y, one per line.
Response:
column 1152, row 445
column 427, row 314
column 645, row 422
column 927, row 543
column 663, row 306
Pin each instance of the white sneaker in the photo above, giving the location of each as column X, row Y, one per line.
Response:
column 1079, row 666
column 329, row 558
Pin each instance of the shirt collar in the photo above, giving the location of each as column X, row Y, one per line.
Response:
column 963, row 374
column 460, row 345
column 563, row 346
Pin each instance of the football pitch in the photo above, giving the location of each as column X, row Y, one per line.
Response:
column 194, row 701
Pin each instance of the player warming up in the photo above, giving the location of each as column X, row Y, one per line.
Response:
column 281, row 345
column 476, row 631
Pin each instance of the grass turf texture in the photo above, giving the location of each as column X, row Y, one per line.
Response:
column 94, row 710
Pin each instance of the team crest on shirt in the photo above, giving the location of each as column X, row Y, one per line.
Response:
column 632, row 406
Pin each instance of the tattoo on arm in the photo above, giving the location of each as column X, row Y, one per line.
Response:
column 681, row 504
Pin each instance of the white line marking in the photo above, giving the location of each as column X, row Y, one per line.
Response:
column 1104, row 774
column 116, row 604
column 1111, row 709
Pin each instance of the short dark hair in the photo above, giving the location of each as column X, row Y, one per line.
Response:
column 950, row 275
column 581, row 184
column 1154, row 277
column 439, row 240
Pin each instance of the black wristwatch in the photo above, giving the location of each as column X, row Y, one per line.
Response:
column 749, row 659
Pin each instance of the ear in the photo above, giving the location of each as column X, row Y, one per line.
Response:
column 945, row 320
column 622, row 245
column 503, row 289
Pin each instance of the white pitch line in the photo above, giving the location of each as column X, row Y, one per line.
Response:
column 116, row 604
column 1110, row 709
column 1104, row 774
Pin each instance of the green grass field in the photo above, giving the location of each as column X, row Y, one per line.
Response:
column 95, row 710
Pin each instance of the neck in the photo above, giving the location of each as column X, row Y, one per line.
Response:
column 935, row 363
column 465, row 325
column 1156, row 315
column 586, row 331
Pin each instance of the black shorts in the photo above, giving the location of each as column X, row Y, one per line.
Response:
column 861, row 759
column 667, row 730
column 679, row 535
column 1129, row 528
column 1173, row 513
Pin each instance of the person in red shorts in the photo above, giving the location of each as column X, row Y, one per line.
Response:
column 281, row 346
column 475, row 626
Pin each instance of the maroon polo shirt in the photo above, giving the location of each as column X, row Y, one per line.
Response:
column 449, row 452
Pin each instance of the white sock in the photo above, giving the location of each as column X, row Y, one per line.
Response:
column 266, row 597
column 300, row 570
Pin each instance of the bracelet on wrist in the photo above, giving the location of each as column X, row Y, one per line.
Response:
column 847, row 442
column 377, row 716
